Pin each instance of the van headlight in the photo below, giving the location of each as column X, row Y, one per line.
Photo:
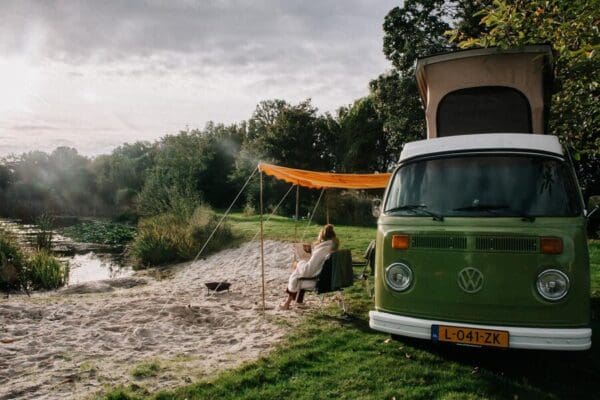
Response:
column 398, row 276
column 552, row 284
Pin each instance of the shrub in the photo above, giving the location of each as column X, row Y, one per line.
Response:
column 40, row 270
column 170, row 237
column 45, row 271
column 13, row 263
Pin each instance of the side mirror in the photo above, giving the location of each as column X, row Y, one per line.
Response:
column 376, row 207
column 593, row 206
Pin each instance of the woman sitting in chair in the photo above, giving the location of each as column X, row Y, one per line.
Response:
column 326, row 243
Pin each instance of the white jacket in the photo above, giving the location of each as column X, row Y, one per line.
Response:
column 311, row 267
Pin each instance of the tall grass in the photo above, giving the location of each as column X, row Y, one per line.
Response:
column 172, row 237
column 45, row 223
column 46, row 272
column 22, row 270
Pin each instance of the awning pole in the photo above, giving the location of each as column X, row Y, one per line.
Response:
column 262, row 244
column 297, row 212
column 327, row 206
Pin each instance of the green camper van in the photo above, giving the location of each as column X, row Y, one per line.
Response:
column 481, row 237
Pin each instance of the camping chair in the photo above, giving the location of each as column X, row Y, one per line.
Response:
column 335, row 275
column 369, row 257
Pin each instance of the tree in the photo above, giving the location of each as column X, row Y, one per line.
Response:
column 572, row 28
column 415, row 29
column 358, row 141
column 289, row 134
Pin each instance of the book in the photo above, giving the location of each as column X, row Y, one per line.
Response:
column 302, row 251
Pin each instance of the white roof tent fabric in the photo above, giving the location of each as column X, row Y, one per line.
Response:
column 502, row 142
column 486, row 90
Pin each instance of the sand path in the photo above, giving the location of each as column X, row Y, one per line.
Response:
column 68, row 345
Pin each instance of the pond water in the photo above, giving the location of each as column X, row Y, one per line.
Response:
column 87, row 261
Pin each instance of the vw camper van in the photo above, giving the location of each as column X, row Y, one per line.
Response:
column 481, row 239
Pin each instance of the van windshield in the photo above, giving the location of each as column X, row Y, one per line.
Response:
column 484, row 185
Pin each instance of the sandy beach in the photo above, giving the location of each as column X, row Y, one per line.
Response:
column 78, row 341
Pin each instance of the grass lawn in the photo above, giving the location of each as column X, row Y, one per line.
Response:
column 356, row 238
column 338, row 356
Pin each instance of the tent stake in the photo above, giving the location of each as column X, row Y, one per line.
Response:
column 262, row 245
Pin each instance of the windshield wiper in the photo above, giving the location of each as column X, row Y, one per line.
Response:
column 416, row 207
column 495, row 207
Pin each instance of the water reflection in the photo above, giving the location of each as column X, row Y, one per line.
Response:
column 87, row 261
column 94, row 267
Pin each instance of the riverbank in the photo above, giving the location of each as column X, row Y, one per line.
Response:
column 71, row 345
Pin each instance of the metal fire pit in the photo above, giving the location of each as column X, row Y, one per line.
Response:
column 217, row 286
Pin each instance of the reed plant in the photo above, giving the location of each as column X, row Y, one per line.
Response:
column 45, row 223
column 46, row 272
column 172, row 237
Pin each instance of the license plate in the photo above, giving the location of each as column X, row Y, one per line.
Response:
column 470, row 336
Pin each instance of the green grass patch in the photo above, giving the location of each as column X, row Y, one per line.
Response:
column 100, row 231
column 355, row 238
column 146, row 370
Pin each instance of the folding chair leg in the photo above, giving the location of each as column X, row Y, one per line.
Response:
column 344, row 309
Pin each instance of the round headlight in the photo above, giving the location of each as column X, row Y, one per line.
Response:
column 398, row 276
column 552, row 284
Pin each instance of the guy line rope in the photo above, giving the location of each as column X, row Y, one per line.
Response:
column 171, row 296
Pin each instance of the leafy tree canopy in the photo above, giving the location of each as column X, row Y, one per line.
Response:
column 573, row 30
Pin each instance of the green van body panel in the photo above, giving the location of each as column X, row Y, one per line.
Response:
column 505, row 250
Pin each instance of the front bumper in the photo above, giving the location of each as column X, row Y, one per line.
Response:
column 519, row 337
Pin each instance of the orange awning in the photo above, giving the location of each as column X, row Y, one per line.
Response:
column 318, row 180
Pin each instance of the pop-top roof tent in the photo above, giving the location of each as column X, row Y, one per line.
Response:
column 486, row 90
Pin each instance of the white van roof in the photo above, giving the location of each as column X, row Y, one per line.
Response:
column 484, row 142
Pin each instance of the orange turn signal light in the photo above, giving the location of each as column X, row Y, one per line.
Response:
column 401, row 242
column 551, row 245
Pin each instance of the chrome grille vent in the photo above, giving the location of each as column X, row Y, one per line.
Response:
column 511, row 244
column 438, row 242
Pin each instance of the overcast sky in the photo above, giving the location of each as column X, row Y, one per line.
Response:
column 95, row 74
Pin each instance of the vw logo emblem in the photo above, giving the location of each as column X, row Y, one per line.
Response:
column 470, row 280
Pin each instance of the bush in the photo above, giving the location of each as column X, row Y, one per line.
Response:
column 46, row 272
column 170, row 237
column 13, row 263
column 40, row 270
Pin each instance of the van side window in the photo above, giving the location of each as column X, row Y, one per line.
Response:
column 487, row 109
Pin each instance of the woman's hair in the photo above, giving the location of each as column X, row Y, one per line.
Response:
column 327, row 233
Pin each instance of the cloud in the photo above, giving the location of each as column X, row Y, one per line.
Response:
column 141, row 69
column 210, row 32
